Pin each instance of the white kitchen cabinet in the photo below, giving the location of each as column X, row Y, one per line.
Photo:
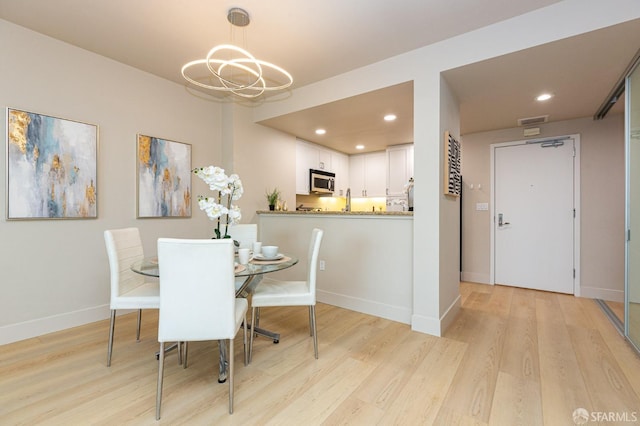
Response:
column 304, row 162
column 312, row 156
column 375, row 174
column 324, row 160
column 356, row 175
column 340, row 165
column 399, row 168
column 367, row 174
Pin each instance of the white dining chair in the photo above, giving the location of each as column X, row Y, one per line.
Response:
column 244, row 233
column 271, row 292
column 128, row 289
column 197, row 299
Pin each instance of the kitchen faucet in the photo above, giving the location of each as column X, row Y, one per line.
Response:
column 347, row 208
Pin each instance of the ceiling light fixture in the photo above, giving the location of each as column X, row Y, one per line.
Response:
column 359, row 146
column 390, row 117
column 228, row 68
column 320, row 131
column 544, row 97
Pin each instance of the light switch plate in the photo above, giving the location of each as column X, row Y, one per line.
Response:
column 482, row 206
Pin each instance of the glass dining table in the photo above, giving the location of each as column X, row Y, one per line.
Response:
column 252, row 273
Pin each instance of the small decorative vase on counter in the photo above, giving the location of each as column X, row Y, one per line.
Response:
column 272, row 207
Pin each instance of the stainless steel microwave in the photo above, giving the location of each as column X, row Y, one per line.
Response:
column 321, row 182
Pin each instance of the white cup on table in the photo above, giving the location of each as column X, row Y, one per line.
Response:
column 270, row 251
column 243, row 256
column 257, row 246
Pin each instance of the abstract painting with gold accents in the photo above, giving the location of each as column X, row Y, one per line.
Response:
column 51, row 167
column 164, row 178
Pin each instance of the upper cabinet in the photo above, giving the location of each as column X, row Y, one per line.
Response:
column 304, row 158
column 399, row 168
column 324, row 161
column 312, row 156
column 367, row 174
column 375, row 174
column 340, row 165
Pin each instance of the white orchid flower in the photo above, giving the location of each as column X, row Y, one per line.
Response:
column 234, row 215
column 229, row 189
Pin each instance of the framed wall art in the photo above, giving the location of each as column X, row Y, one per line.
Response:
column 164, row 178
column 452, row 171
column 51, row 167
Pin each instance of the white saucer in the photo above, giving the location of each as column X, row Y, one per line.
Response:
column 262, row 257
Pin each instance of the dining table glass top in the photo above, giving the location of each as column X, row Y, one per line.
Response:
column 149, row 266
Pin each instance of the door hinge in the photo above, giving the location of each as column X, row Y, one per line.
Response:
column 574, row 272
column 628, row 234
column 574, row 213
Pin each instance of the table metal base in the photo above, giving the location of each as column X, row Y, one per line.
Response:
column 268, row 334
column 224, row 364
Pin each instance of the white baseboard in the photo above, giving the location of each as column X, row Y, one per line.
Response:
column 602, row 293
column 451, row 314
column 370, row 307
column 475, row 277
column 435, row 326
column 37, row 327
column 427, row 325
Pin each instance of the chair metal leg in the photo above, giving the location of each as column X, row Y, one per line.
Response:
column 139, row 322
column 184, row 358
column 179, row 347
column 230, row 375
column 310, row 322
column 244, row 339
column 253, row 327
column 315, row 331
column 160, row 378
column 112, row 325
column 222, row 363
column 257, row 322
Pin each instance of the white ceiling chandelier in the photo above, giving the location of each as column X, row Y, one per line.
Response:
column 228, row 68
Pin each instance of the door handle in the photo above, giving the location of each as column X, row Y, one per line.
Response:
column 501, row 223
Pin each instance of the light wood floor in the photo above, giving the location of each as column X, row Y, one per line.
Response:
column 512, row 357
column 617, row 308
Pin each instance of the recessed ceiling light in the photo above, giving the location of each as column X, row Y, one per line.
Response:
column 320, row 131
column 544, row 97
column 390, row 117
column 359, row 146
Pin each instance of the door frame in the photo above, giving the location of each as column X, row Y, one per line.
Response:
column 576, row 203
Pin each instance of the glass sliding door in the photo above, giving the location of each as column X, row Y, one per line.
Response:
column 632, row 290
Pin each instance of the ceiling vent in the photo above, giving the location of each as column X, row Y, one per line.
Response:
column 532, row 121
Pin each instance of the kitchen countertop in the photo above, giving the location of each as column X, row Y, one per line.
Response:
column 334, row 213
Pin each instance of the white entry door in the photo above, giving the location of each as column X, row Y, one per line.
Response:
column 534, row 215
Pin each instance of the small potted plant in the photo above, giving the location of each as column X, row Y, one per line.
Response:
column 272, row 198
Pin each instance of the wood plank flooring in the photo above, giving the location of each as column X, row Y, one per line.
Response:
column 617, row 308
column 512, row 357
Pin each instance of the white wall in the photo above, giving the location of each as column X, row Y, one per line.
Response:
column 449, row 215
column 368, row 259
column 602, row 198
column 264, row 159
column 53, row 273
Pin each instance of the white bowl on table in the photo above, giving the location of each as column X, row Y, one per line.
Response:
column 269, row 251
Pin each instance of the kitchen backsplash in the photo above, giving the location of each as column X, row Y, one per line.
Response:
column 339, row 203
